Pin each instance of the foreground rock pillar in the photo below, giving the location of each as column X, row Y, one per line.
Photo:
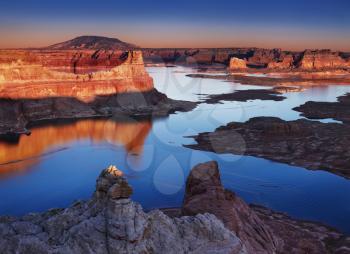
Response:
column 205, row 194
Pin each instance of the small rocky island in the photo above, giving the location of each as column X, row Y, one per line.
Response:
column 305, row 143
column 212, row 220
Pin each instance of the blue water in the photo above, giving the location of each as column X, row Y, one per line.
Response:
column 66, row 169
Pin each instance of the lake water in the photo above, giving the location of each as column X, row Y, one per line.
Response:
column 59, row 163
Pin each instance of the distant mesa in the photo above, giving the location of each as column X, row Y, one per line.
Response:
column 93, row 43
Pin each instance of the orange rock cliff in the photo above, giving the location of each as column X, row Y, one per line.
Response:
column 40, row 74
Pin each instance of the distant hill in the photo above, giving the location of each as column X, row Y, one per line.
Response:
column 93, row 42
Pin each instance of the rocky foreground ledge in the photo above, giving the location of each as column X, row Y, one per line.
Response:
column 212, row 220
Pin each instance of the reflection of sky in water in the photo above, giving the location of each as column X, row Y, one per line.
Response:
column 159, row 171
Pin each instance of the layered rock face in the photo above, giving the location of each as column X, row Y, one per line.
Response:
column 22, row 80
column 255, row 58
column 195, row 56
column 322, row 60
column 74, row 61
column 316, row 60
column 284, row 63
column 262, row 57
column 205, row 193
column 111, row 223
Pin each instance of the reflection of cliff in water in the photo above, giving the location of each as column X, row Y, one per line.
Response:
column 15, row 157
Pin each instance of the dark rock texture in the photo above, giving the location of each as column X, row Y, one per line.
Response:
column 339, row 110
column 309, row 144
column 245, row 95
column 15, row 115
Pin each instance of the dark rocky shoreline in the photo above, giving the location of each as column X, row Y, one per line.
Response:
column 16, row 115
column 304, row 143
column 339, row 110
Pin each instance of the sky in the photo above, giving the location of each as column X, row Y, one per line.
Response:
column 286, row 24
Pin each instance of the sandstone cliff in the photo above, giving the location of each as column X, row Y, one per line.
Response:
column 25, row 80
column 322, row 60
column 256, row 58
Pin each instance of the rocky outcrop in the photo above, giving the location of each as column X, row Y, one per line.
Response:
column 262, row 57
column 205, row 193
column 305, row 143
column 237, row 64
column 339, row 110
column 286, row 63
column 322, row 60
column 111, row 223
column 73, row 61
column 255, row 58
column 21, row 80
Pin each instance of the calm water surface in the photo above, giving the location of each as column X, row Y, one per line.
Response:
column 59, row 163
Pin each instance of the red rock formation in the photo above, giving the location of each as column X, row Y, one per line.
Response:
column 322, row 60
column 237, row 64
column 256, row 58
column 286, row 63
column 27, row 80
column 205, row 194
column 262, row 57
